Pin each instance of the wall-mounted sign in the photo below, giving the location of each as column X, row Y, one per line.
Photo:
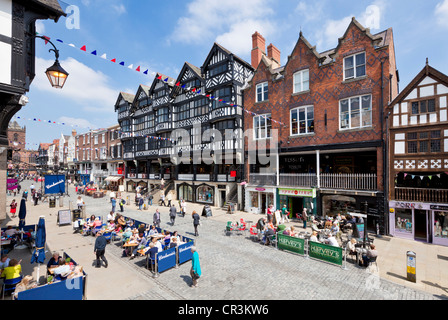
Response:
column 308, row 193
column 438, row 207
column 260, row 189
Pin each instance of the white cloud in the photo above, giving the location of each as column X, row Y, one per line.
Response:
column 230, row 22
column 310, row 12
column 120, row 9
column 40, row 27
column 77, row 122
column 84, row 86
column 441, row 13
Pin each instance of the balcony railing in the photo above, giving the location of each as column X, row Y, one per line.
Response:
column 203, row 177
column 348, row 181
column 185, row 177
column 298, row 179
column 421, row 195
column 351, row 181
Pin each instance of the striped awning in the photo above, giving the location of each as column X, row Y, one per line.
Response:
column 113, row 178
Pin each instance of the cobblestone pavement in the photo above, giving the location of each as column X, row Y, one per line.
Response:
column 236, row 268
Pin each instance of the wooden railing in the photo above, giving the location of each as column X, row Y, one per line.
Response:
column 421, row 195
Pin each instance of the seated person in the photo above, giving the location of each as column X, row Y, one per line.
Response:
column 261, row 227
column 153, row 231
column 61, row 271
column 328, row 223
column 127, row 234
column 111, row 225
column 331, row 240
column 110, row 216
column 12, row 271
column 152, row 252
column 167, row 236
column 371, row 253
column 287, row 232
column 26, row 284
column 173, row 243
column 314, row 237
column 120, row 221
column 175, row 236
column 293, row 232
column 157, row 244
column 351, row 246
column 10, row 232
column 4, row 262
column 142, row 241
column 96, row 225
column 54, row 261
column 270, row 231
column 88, row 226
column 335, row 228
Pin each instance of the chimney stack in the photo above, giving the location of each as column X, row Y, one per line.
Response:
column 258, row 49
column 274, row 53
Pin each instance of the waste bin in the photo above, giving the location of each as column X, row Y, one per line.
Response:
column 411, row 264
column 52, row 202
column 76, row 214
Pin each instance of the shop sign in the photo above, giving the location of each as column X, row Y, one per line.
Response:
column 310, row 193
column 325, row 252
column 292, row 244
column 438, row 207
column 260, row 189
column 407, row 205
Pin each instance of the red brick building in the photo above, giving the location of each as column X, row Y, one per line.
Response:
column 328, row 110
column 23, row 159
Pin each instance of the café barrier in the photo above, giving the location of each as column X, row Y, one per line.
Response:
column 69, row 289
column 170, row 258
column 315, row 250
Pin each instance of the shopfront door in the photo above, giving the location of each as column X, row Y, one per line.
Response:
column 264, row 204
column 420, row 225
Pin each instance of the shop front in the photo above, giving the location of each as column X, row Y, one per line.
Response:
column 203, row 193
column 297, row 199
column 419, row 221
column 258, row 199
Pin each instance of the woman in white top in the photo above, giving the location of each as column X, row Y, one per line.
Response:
column 80, row 203
column 314, row 237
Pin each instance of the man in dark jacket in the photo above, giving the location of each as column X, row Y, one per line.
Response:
column 173, row 213
column 100, row 249
column 196, row 222
column 156, row 218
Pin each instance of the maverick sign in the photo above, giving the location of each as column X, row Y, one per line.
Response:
column 324, row 252
column 307, row 193
column 292, row 244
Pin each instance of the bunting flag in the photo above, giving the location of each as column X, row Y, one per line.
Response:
column 192, row 90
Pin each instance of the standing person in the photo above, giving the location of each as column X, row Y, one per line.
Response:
column 162, row 198
column 150, row 197
column 156, row 218
column 285, row 214
column 114, row 203
column 140, row 203
column 121, row 204
column 169, row 197
column 195, row 271
column 196, row 222
column 13, row 209
column 32, row 188
column 304, row 217
column 18, row 188
column 173, row 212
column 25, row 195
column 183, row 206
column 100, row 249
column 80, row 203
column 112, row 195
column 162, row 183
column 35, row 198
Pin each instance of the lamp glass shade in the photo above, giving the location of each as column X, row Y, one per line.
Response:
column 57, row 75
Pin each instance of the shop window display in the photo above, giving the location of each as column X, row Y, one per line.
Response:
column 186, row 193
column 440, row 224
column 254, row 199
column 204, row 194
column 403, row 220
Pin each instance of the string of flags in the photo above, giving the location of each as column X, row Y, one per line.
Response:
column 424, row 175
column 160, row 77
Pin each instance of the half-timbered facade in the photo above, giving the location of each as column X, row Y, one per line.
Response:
column 175, row 123
column 418, row 159
column 327, row 110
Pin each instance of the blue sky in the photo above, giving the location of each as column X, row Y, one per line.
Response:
column 162, row 35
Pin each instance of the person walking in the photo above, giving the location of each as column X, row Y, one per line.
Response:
column 304, row 217
column 183, row 206
column 285, row 214
column 13, row 209
column 169, row 197
column 195, row 271
column 114, row 203
column 100, row 249
column 25, row 195
column 173, row 212
column 162, row 198
column 150, row 197
column 196, row 222
column 156, row 218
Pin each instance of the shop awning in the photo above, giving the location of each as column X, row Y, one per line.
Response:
column 113, row 179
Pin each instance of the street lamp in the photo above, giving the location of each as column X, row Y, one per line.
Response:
column 56, row 74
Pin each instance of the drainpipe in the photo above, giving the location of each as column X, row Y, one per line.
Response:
column 384, row 147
